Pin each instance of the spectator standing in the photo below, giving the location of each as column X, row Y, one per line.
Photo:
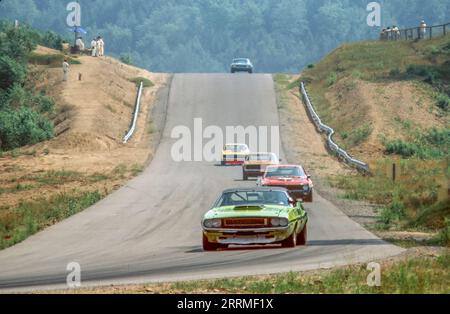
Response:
column 80, row 44
column 396, row 32
column 97, row 47
column 94, row 47
column 102, row 46
column 422, row 29
column 388, row 33
column 66, row 69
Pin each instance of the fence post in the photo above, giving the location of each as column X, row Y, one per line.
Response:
column 445, row 25
column 431, row 32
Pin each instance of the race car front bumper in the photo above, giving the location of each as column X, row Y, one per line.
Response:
column 249, row 236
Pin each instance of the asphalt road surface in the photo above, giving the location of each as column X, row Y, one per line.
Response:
column 150, row 229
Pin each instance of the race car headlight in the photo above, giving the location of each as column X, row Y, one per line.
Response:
column 275, row 222
column 284, row 222
column 213, row 223
column 279, row 222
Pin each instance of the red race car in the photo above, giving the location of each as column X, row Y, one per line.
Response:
column 293, row 178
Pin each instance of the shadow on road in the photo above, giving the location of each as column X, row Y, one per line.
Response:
column 310, row 244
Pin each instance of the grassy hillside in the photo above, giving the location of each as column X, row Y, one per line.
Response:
column 389, row 103
column 378, row 93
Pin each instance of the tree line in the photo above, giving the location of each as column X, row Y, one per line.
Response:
column 204, row 35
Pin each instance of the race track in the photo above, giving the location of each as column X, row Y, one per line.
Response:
column 150, row 229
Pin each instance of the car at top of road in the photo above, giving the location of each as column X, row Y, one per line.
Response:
column 234, row 154
column 241, row 65
column 254, row 216
column 292, row 177
column 255, row 164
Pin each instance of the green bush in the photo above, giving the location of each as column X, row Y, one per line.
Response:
column 429, row 73
column 393, row 213
column 17, row 97
column 444, row 234
column 443, row 101
column 138, row 80
column 51, row 40
column 432, row 144
column 401, row 148
column 17, row 43
column 11, row 72
column 332, row 79
column 43, row 104
column 23, row 127
column 438, row 137
column 125, row 58
column 395, row 72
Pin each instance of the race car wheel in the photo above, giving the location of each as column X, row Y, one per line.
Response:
column 208, row 246
column 302, row 237
column 245, row 177
column 290, row 242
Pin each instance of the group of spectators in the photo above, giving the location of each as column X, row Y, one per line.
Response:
column 390, row 33
column 393, row 33
column 97, row 46
column 97, row 50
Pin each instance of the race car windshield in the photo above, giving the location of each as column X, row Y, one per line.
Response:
column 285, row 172
column 240, row 61
column 236, row 148
column 244, row 198
column 260, row 157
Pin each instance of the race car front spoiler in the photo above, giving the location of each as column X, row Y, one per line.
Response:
column 249, row 236
column 248, row 241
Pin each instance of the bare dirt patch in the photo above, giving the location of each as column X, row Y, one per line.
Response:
column 301, row 141
column 390, row 109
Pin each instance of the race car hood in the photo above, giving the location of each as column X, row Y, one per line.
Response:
column 230, row 152
column 248, row 211
column 285, row 181
column 259, row 163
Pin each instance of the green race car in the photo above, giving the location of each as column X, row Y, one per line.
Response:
column 254, row 216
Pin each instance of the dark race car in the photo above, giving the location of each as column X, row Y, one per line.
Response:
column 241, row 65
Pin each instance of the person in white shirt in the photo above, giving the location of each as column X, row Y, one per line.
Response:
column 80, row 44
column 94, row 47
column 97, row 47
column 396, row 32
column 66, row 69
column 423, row 29
column 102, row 47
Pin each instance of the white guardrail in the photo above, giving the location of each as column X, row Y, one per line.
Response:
column 137, row 107
column 342, row 154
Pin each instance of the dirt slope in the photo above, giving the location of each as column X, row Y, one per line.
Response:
column 384, row 107
column 92, row 117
